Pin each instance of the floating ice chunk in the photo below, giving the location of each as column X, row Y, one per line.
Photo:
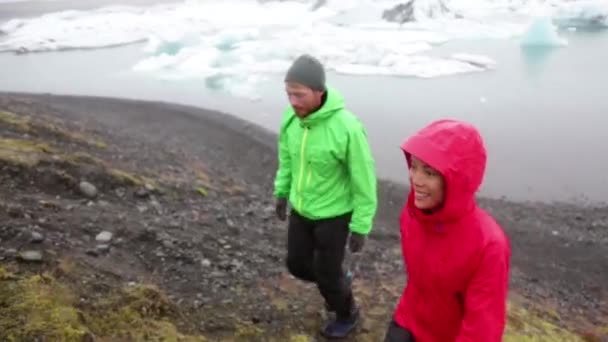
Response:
column 542, row 33
column 476, row 60
column 170, row 43
column 583, row 14
column 412, row 66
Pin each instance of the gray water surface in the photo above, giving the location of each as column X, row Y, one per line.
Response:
column 541, row 112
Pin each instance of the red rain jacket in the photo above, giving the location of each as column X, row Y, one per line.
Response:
column 458, row 258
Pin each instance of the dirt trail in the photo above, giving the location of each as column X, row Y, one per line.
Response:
column 186, row 194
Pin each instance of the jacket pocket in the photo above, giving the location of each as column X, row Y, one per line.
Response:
column 321, row 165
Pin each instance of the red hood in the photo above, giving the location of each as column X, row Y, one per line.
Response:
column 456, row 150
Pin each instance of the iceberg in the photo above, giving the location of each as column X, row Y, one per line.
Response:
column 220, row 41
column 542, row 33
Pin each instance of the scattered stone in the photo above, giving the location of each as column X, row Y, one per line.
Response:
column 103, row 248
column 236, row 264
column 37, row 237
column 205, row 263
column 142, row 192
column 92, row 252
column 104, row 237
column 217, row 274
column 156, row 205
column 88, row 189
column 15, row 211
column 31, row 256
column 120, row 192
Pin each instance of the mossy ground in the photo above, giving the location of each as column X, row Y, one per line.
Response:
column 47, row 304
column 73, row 155
column 40, row 306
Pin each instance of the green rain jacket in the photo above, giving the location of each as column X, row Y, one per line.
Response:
column 326, row 168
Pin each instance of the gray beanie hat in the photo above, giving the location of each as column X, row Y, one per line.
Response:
column 308, row 71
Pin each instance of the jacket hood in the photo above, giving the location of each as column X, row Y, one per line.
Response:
column 333, row 103
column 457, row 151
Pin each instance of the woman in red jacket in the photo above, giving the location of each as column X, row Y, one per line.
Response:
column 457, row 257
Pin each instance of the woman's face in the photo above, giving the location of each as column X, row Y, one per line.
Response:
column 428, row 185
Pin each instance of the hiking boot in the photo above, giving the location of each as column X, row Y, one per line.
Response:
column 349, row 282
column 341, row 327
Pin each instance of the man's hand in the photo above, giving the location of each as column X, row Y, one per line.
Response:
column 356, row 242
column 281, row 208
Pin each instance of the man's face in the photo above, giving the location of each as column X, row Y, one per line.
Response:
column 303, row 99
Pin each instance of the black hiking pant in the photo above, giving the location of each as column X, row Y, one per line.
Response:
column 396, row 333
column 315, row 252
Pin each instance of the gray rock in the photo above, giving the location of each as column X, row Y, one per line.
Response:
column 104, row 237
column 37, row 237
column 205, row 263
column 156, row 205
column 167, row 244
column 120, row 192
column 32, row 256
column 236, row 264
column 103, row 248
column 88, row 189
column 142, row 193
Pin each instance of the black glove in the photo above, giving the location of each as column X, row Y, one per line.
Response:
column 356, row 242
column 281, row 208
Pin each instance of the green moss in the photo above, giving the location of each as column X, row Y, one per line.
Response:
column 132, row 179
column 59, row 130
column 34, row 308
column 19, row 122
column 23, row 152
column 202, row 191
column 299, row 338
column 39, row 308
column 137, row 313
column 247, row 331
column 24, row 123
column 524, row 326
column 82, row 158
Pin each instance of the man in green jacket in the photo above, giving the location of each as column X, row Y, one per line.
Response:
column 326, row 174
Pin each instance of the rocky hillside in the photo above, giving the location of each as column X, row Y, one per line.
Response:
column 132, row 221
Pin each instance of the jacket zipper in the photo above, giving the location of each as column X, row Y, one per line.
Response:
column 302, row 168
